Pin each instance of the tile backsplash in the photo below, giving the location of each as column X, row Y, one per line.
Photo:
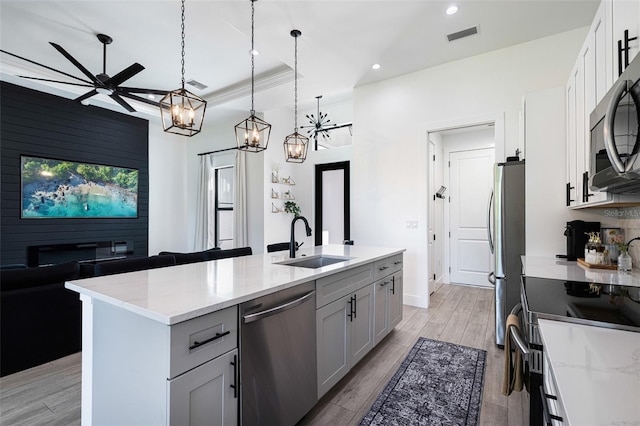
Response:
column 630, row 222
column 626, row 218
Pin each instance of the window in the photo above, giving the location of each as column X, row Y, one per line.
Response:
column 223, row 207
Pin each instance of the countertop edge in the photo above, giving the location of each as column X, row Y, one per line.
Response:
column 313, row 274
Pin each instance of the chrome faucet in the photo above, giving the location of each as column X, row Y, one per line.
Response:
column 292, row 243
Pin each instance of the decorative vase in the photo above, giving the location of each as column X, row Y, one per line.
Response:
column 624, row 261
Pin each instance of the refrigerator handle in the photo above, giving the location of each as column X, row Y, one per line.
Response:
column 489, row 232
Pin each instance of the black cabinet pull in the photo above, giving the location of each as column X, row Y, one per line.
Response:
column 350, row 314
column 622, row 64
column 216, row 337
column 568, row 193
column 585, row 188
column 393, row 285
column 398, row 262
column 382, row 284
column 545, row 408
column 234, row 386
column 383, row 268
column 355, row 307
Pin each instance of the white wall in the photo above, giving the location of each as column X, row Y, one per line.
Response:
column 168, row 195
column 389, row 178
column 277, row 226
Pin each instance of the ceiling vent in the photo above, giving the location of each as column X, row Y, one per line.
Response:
column 197, row 84
column 464, row 33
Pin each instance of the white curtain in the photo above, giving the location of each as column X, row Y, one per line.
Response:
column 240, row 230
column 205, row 205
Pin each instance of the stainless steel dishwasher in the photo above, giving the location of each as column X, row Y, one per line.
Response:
column 278, row 377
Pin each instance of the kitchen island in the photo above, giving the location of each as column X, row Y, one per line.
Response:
column 148, row 335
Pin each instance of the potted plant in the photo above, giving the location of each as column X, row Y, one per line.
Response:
column 292, row 207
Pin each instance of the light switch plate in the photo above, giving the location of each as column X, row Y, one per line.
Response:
column 412, row 224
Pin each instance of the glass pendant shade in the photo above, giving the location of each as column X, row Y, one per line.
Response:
column 252, row 134
column 182, row 112
column 295, row 148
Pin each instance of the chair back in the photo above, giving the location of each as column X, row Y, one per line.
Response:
column 277, row 247
column 134, row 264
column 225, row 254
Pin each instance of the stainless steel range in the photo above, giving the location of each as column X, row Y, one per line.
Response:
column 601, row 305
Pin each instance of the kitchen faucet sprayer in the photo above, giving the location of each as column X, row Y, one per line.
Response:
column 292, row 242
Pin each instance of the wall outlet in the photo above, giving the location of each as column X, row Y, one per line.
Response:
column 412, row 224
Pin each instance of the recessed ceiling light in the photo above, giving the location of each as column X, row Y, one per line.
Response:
column 375, row 66
column 452, row 9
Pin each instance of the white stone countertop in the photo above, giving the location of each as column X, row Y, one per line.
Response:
column 178, row 293
column 562, row 269
column 596, row 371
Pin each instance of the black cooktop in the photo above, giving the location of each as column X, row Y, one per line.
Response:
column 597, row 304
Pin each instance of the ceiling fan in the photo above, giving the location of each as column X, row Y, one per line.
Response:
column 100, row 83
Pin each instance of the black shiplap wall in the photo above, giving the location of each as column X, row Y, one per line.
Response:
column 37, row 124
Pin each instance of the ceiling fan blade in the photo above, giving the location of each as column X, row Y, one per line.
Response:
column 124, row 75
column 140, row 99
column 86, row 95
column 122, row 102
column 44, row 66
column 122, row 90
column 77, row 64
column 55, row 81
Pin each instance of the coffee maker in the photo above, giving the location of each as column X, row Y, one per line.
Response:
column 576, row 232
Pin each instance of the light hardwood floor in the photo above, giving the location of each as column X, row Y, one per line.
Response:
column 50, row 394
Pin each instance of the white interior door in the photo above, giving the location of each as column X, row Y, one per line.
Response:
column 471, row 178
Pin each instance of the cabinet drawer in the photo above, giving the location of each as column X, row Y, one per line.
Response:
column 333, row 287
column 387, row 266
column 201, row 339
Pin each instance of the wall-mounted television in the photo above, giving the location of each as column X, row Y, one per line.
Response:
column 66, row 189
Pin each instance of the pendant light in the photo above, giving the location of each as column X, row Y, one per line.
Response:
column 252, row 134
column 182, row 112
column 295, row 145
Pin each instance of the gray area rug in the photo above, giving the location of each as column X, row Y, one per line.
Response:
column 439, row 383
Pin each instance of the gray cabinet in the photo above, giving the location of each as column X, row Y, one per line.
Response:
column 388, row 304
column 362, row 323
column 395, row 300
column 333, row 334
column 344, row 332
column 153, row 373
column 381, row 320
column 206, row 395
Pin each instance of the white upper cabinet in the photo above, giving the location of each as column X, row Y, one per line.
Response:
column 592, row 76
column 625, row 18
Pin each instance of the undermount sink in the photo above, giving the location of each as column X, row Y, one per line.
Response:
column 313, row 262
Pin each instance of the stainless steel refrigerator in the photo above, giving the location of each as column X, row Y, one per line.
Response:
column 506, row 227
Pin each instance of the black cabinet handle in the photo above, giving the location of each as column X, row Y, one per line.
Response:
column 624, row 64
column 382, row 284
column 234, row 386
column 204, row 342
column 545, row 408
column 355, row 306
column 568, row 193
column 398, row 262
column 393, row 285
column 383, row 268
column 350, row 314
column 585, row 188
